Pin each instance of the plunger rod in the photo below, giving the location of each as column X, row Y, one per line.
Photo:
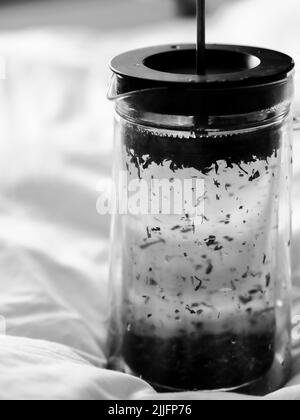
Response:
column 201, row 56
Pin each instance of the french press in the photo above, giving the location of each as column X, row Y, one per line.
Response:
column 201, row 296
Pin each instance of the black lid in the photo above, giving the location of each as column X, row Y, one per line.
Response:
column 238, row 80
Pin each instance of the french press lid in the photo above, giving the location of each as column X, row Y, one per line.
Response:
column 237, row 79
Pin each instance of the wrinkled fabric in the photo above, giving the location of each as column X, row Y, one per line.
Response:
column 55, row 146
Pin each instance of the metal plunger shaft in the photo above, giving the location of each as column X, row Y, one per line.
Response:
column 201, row 52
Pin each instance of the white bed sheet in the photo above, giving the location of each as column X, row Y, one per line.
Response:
column 55, row 144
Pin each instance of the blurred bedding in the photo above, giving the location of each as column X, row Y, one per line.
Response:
column 55, row 146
